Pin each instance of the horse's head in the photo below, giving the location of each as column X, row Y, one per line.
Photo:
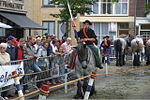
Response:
column 83, row 55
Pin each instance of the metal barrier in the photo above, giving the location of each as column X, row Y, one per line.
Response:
column 34, row 72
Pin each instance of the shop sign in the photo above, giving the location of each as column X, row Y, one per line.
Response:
column 11, row 4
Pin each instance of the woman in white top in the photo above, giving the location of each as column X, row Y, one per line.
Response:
column 4, row 56
column 4, row 59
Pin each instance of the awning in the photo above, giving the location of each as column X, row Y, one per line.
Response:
column 21, row 20
column 2, row 25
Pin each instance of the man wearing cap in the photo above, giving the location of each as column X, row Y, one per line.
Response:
column 11, row 48
column 87, row 34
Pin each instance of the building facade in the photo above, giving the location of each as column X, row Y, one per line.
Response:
column 108, row 18
column 12, row 13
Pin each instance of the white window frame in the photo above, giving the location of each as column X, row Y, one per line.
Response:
column 48, row 27
column 113, row 10
column 47, row 4
column 100, row 35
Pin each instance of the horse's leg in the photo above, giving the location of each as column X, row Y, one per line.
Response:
column 120, row 58
column 148, row 61
column 133, row 57
column 85, row 84
column 79, row 94
column 148, row 58
column 136, row 61
column 117, row 62
column 123, row 57
column 143, row 54
column 138, row 58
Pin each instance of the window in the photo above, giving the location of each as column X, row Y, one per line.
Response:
column 121, row 7
column 103, row 29
column 50, row 25
column 95, row 8
column 107, row 7
column 123, row 25
column 47, row 3
column 2, row 32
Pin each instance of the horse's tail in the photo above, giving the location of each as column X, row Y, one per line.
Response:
column 118, row 45
column 140, row 45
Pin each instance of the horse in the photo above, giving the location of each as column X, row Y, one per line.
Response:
column 148, row 52
column 137, row 46
column 120, row 45
column 85, row 65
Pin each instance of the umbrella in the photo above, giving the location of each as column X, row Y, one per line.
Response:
column 2, row 25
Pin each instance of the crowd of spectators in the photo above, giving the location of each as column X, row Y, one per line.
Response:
column 32, row 49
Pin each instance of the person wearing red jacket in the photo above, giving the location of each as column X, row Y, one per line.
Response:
column 19, row 49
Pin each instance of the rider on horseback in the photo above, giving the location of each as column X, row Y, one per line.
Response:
column 87, row 35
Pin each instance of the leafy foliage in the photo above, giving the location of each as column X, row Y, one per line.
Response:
column 147, row 8
column 115, row 0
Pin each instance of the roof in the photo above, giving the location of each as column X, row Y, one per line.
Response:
column 21, row 20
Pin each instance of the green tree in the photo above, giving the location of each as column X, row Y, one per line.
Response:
column 147, row 8
column 115, row 0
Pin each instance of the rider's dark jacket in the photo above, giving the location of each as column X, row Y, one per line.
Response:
column 90, row 33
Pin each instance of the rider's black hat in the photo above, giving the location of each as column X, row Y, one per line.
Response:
column 106, row 36
column 87, row 21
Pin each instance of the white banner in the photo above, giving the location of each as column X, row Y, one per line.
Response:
column 6, row 71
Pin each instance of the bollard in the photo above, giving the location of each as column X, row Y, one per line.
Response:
column 17, row 84
column 44, row 91
column 89, row 87
column 106, row 65
column 66, row 76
